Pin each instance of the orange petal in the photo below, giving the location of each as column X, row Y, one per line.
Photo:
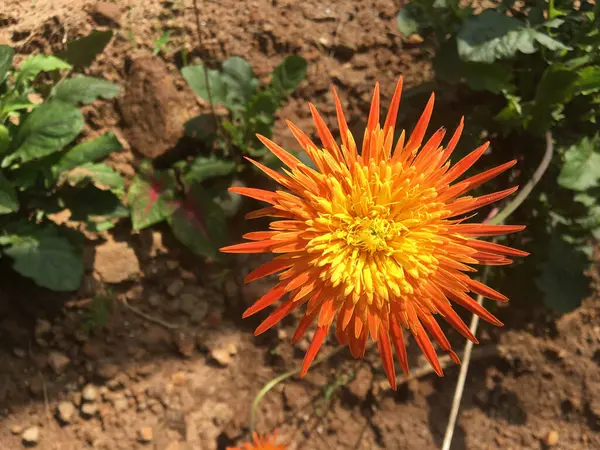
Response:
column 289, row 160
column 259, row 235
column 481, row 229
column 324, row 134
column 385, row 350
column 250, row 247
column 464, row 205
column 478, row 180
column 465, row 164
column 392, row 115
column 312, row 351
column 269, row 212
column 268, row 269
column 471, row 305
column 303, row 326
column 257, row 194
column 341, row 118
column 399, row 345
column 371, row 124
column 425, row 344
column 454, row 319
column 275, row 317
column 266, row 300
column 499, row 249
column 486, row 291
column 454, row 139
column 416, row 138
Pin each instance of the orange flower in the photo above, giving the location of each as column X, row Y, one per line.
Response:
column 377, row 240
column 260, row 443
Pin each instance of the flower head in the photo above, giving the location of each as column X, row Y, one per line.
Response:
column 261, row 443
column 376, row 241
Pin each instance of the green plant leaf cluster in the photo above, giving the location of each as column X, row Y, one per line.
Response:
column 191, row 196
column 44, row 170
column 251, row 106
column 520, row 69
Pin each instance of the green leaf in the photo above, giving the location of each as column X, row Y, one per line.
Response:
column 555, row 89
column 47, row 129
column 407, row 24
column 199, row 223
column 195, row 78
column 589, row 80
column 6, row 56
column 32, row 66
column 151, row 200
column 46, row 257
column 549, row 42
column 90, row 204
column 494, row 78
column 15, row 101
column 161, row 42
column 239, row 80
column 83, row 89
column 491, row 35
column 288, row 75
column 4, row 139
column 83, row 51
column 581, row 168
column 8, row 196
column 562, row 279
column 100, row 174
column 204, row 168
column 86, row 152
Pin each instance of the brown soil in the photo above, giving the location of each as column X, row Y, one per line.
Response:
column 187, row 380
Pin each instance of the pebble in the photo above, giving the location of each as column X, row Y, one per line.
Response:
column 185, row 343
column 107, row 371
column 58, row 361
column 551, row 438
column 65, row 411
column 16, row 429
column 89, row 410
column 175, row 288
column 156, row 299
column 19, row 352
column 31, row 435
column 120, row 404
column 42, row 327
column 221, row 356
column 145, row 434
column 89, row 393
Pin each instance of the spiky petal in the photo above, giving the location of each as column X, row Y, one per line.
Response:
column 265, row 442
column 376, row 241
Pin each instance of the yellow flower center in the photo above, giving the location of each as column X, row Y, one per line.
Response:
column 371, row 235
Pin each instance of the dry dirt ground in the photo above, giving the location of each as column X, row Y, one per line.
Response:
column 87, row 370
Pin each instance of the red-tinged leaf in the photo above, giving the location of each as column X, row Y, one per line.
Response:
column 199, row 223
column 151, row 199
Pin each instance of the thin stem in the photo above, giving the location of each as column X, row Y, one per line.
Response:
column 205, row 68
column 498, row 219
column 275, row 381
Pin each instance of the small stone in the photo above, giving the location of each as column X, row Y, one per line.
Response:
column 107, row 371
column 156, row 336
column 282, row 334
column 232, row 348
column 89, row 410
column 31, row 435
column 115, row 262
column 120, row 404
column 172, row 264
column 178, row 378
column 221, row 356
column 36, row 386
column 106, row 13
column 19, row 352
column 551, row 438
column 175, row 288
column 16, row 429
column 42, row 327
column 145, row 435
column 188, row 303
column 89, row 393
column 65, row 412
column 156, row 299
column 146, row 370
column 92, row 350
column 58, row 361
column 185, row 343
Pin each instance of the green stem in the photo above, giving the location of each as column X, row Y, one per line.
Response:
column 275, row 381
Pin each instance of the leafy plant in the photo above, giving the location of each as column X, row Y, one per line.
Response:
column 525, row 68
column 191, row 196
column 42, row 172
